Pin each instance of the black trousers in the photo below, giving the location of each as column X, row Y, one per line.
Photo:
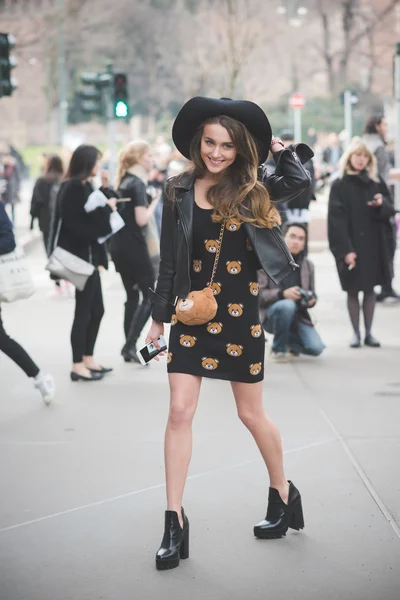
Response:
column 136, row 315
column 89, row 311
column 13, row 350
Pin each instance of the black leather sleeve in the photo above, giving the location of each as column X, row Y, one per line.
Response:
column 162, row 298
column 290, row 178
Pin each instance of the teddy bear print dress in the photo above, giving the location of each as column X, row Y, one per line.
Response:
column 231, row 346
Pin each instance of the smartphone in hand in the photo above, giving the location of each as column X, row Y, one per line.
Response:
column 149, row 351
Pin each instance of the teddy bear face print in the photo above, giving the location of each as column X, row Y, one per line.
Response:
column 216, row 287
column 256, row 331
column 211, row 246
column 197, row 266
column 235, row 310
column 210, row 363
column 214, row 328
column 234, row 350
column 233, row 224
column 255, row 369
column 234, row 267
column 187, row 341
column 254, row 289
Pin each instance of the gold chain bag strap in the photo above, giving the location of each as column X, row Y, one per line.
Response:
column 200, row 307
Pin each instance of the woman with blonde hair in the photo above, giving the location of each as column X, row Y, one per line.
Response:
column 358, row 227
column 129, row 248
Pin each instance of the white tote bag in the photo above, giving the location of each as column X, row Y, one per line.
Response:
column 15, row 277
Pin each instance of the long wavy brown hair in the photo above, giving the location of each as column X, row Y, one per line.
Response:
column 239, row 193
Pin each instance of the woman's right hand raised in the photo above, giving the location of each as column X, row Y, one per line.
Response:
column 154, row 333
column 350, row 259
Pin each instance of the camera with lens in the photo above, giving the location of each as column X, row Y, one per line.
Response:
column 306, row 297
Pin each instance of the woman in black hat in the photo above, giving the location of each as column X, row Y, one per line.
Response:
column 229, row 200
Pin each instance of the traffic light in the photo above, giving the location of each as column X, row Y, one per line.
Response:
column 7, row 63
column 121, row 96
column 90, row 94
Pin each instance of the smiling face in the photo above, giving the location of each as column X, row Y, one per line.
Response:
column 217, row 148
column 359, row 160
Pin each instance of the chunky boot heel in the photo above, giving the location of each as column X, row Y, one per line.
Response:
column 297, row 519
column 184, row 549
column 175, row 542
column 281, row 516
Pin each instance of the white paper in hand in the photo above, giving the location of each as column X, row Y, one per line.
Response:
column 95, row 200
column 116, row 222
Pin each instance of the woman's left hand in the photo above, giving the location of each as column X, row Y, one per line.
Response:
column 377, row 201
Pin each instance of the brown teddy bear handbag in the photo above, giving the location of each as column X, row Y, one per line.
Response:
column 200, row 307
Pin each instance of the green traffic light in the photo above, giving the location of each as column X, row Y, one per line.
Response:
column 121, row 109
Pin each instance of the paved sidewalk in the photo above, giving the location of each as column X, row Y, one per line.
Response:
column 82, row 481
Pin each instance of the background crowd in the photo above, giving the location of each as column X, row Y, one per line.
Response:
column 362, row 235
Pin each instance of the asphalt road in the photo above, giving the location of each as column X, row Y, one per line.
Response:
column 82, row 493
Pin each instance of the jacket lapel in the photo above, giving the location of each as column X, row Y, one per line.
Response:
column 184, row 197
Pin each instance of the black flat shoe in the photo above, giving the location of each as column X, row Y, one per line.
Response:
column 95, row 376
column 175, row 542
column 355, row 341
column 102, row 370
column 281, row 516
column 371, row 341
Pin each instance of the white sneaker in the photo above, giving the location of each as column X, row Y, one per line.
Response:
column 45, row 385
column 279, row 357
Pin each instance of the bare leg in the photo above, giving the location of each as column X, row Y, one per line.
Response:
column 248, row 397
column 185, row 391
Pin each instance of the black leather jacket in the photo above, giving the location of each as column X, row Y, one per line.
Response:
column 289, row 180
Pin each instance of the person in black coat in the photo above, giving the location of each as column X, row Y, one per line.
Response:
column 358, row 224
column 44, row 383
column 77, row 231
column 129, row 247
column 44, row 195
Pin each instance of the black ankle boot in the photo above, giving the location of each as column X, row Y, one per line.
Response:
column 281, row 516
column 175, row 543
column 129, row 354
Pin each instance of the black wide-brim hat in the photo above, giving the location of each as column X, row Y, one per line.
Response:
column 199, row 109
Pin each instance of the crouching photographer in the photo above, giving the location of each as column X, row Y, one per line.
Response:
column 284, row 308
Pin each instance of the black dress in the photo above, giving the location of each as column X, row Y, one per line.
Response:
column 230, row 347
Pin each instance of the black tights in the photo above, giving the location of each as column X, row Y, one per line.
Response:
column 368, row 307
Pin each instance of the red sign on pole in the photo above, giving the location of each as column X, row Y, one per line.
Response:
column 297, row 101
